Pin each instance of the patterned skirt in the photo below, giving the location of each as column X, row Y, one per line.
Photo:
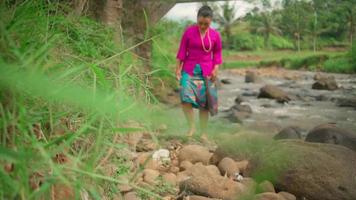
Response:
column 193, row 89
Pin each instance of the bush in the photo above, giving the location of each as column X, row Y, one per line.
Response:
column 338, row 65
column 352, row 57
column 246, row 41
column 278, row 42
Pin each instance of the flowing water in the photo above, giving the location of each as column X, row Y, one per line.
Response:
column 309, row 109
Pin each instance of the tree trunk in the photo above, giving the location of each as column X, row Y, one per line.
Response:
column 111, row 15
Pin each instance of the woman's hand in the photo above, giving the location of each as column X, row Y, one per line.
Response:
column 178, row 74
column 214, row 74
column 179, row 69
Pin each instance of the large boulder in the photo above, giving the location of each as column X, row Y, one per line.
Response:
column 323, row 82
column 311, row 170
column 252, row 77
column 330, row 133
column 274, row 92
column 239, row 112
column 204, row 183
column 194, row 153
column 320, row 171
column 227, row 166
column 291, row 132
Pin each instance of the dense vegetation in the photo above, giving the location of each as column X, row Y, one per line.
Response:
column 310, row 26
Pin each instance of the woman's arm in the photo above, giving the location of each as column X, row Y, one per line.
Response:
column 217, row 57
column 181, row 54
column 179, row 69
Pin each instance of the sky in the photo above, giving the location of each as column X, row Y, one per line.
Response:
column 189, row 10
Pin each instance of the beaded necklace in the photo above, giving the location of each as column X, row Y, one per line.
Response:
column 202, row 41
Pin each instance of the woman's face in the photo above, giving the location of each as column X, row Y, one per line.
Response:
column 204, row 23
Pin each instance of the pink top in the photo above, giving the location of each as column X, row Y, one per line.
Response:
column 191, row 50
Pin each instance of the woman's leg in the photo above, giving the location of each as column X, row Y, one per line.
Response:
column 189, row 115
column 203, row 119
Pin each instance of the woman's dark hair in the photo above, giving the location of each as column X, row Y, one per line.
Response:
column 205, row 11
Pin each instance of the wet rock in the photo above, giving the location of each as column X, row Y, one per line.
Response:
column 330, row 133
column 287, row 195
column 250, row 94
column 239, row 99
column 325, row 83
column 266, row 186
column 322, row 98
column 225, row 81
column 273, row 92
column 227, row 166
column 242, row 108
column 346, row 102
column 291, row 132
column 194, row 154
column 252, row 77
column 202, row 182
column 237, row 116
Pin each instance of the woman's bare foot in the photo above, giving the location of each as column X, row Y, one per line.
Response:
column 191, row 132
column 204, row 137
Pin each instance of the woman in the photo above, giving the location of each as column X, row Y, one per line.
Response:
column 198, row 58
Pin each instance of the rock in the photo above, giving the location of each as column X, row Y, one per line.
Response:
column 182, row 176
column 328, row 168
column 202, row 182
column 346, row 102
column 225, row 81
column 325, row 83
column 291, row 132
column 145, row 159
column 123, row 188
column 237, row 116
column 287, row 195
column 239, row 100
column 250, row 94
column 242, row 108
column 131, row 196
column 329, row 133
column 213, row 169
column 266, row 186
column 184, row 165
column 228, row 166
column 145, row 145
column 268, row 196
column 195, row 197
column 242, row 166
column 150, row 176
column 250, row 184
column 252, row 77
column 170, row 178
column 174, row 169
column 273, row 92
column 194, row 154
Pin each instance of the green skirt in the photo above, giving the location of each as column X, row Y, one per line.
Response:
column 193, row 89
